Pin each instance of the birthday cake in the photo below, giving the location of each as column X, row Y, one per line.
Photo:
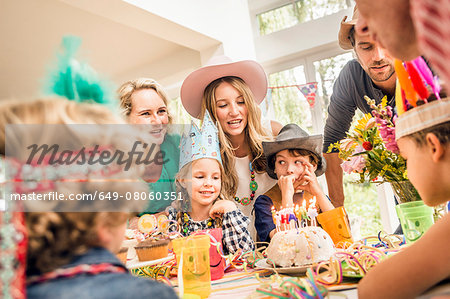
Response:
column 300, row 246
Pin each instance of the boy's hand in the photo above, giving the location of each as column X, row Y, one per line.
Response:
column 286, row 184
column 308, row 181
column 221, row 207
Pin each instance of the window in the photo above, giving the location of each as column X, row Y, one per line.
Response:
column 327, row 70
column 297, row 12
column 289, row 104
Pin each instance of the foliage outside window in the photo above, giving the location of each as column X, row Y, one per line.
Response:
column 289, row 104
column 327, row 70
column 299, row 11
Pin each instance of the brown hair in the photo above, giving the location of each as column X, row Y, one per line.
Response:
column 442, row 132
column 297, row 152
column 128, row 88
column 351, row 36
column 255, row 133
column 52, row 111
column 55, row 238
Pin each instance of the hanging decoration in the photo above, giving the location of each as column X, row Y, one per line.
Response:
column 308, row 90
column 75, row 79
column 13, row 241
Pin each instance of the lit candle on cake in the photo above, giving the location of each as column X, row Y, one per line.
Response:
column 297, row 213
column 292, row 218
column 284, row 220
column 273, row 214
column 312, row 211
column 277, row 221
column 303, row 210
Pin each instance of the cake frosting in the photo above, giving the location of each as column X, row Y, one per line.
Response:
column 299, row 247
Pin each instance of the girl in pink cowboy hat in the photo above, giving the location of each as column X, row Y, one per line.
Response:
column 231, row 93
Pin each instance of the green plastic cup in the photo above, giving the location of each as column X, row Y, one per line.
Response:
column 415, row 218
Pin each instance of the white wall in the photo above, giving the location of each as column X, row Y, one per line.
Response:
column 226, row 21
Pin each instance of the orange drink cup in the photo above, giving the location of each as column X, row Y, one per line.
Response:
column 335, row 223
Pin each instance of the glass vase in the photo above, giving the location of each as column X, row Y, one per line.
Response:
column 405, row 192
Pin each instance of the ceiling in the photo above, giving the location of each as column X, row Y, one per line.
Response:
column 31, row 33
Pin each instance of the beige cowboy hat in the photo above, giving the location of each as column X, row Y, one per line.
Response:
column 292, row 136
column 217, row 67
column 344, row 31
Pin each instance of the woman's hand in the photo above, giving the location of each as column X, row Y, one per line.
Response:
column 221, row 207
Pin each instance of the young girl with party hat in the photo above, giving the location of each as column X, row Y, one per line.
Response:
column 200, row 181
column 423, row 137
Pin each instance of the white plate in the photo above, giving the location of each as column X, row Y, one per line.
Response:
column 133, row 264
column 284, row 270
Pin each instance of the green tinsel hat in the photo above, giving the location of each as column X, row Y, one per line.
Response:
column 77, row 80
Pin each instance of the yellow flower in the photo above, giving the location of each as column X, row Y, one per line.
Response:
column 384, row 102
column 361, row 124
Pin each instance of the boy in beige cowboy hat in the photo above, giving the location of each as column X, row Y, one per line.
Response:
column 371, row 74
column 295, row 159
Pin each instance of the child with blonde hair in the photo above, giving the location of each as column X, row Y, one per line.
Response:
column 200, row 181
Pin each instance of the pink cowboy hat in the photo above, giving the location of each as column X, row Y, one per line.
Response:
column 217, row 67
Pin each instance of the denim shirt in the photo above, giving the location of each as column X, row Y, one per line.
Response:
column 103, row 285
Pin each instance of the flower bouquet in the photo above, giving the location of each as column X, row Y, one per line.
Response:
column 370, row 150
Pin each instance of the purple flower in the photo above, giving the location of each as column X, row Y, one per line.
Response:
column 389, row 111
column 388, row 136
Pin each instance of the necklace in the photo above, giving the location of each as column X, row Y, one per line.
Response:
column 245, row 201
column 186, row 223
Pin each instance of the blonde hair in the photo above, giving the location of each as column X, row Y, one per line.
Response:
column 55, row 238
column 52, row 111
column 128, row 88
column 255, row 133
column 186, row 173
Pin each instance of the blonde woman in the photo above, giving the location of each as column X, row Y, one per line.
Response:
column 231, row 92
column 70, row 254
column 145, row 102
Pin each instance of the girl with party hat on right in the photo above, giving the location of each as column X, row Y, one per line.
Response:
column 423, row 137
column 200, row 182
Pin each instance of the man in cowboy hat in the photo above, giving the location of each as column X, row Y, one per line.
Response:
column 408, row 29
column 371, row 74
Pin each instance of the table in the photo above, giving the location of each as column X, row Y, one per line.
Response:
column 241, row 284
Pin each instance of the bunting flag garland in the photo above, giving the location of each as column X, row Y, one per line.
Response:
column 308, row 90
